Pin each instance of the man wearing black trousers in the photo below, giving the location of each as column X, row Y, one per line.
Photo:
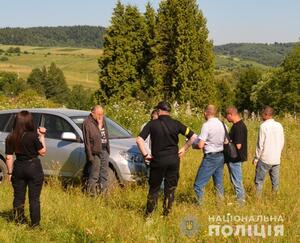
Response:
column 165, row 157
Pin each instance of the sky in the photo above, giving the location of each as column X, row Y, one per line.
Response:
column 228, row 21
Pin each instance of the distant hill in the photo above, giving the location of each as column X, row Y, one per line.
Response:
column 71, row 36
column 229, row 55
column 266, row 54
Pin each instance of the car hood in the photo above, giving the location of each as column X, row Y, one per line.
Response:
column 125, row 144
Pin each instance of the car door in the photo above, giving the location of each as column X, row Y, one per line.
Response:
column 64, row 158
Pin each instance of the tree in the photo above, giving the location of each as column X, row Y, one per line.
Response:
column 184, row 63
column 281, row 87
column 122, row 61
column 247, row 79
column 147, row 85
column 36, row 80
column 225, row 90
column 55, row 85
column 11, row 84
column 80, row 98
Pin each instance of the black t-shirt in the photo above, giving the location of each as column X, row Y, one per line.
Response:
column 238, row 135
column 30, row 145
column 164, row 133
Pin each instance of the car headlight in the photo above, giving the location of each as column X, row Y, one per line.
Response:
column 131, row 157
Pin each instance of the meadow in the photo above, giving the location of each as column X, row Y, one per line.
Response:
column 80, row 66
column 70, row 216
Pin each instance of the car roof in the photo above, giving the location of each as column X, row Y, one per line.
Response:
column 64, row 111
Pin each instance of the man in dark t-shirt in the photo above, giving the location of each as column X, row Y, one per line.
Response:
column 165, row 155
column 238, row 136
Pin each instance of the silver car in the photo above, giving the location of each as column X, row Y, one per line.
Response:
column 65, row 149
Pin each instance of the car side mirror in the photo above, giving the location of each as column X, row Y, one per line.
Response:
column 69, row 136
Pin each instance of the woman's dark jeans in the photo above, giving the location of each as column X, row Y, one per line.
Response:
column 28, row 173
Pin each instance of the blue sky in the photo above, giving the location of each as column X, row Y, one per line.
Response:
column 228, row 21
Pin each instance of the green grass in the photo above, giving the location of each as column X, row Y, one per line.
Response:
column 70, row 216
column 80, row 66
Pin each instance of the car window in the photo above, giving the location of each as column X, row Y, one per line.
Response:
column 3, row 120
column 114, row 129
column 36, row 120
column 10, row 124
column 56, row 125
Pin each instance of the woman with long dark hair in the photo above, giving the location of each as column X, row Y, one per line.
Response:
column 27, row 143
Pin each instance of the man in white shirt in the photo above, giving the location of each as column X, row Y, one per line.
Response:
column 211, row 140
column 268, row 151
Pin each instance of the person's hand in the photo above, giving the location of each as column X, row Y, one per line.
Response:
column 181, row 152
column 9, row 178
column 41, row 131
column 255, row 161
column 148, row 159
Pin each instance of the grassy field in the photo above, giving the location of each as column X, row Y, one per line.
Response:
column 70, row 216
column 80, row 66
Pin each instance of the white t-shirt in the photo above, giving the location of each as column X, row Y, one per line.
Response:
column 213, row 134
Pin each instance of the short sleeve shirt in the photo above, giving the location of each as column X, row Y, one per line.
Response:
column 238, row 135
column 164, row 133
column 213, row 134
column 30, row 145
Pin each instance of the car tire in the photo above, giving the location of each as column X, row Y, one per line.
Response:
column 113, row 181
column 3, row 172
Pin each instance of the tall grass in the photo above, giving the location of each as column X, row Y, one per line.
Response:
column 70, row 216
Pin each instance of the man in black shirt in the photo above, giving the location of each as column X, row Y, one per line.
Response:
column 238, row 136
column 165, row 155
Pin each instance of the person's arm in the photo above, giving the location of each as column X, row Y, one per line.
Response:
column 141, row 145
column 189, row 134
column 41, row 133
column 201, row 144
column 140, row 141
column 87, row 144
column 202, row 137
column 238, row 137
column 186, row 146
column 259, row 145
column 9, row 163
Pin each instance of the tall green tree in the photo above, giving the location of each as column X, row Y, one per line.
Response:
column 147, row 85
column 121, row 64
column 55, row 85
column 247, row 79
column 184, row 62
column 281, row 87
column 36, row 80
column 80, row 98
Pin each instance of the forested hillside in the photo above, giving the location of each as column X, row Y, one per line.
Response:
column 267, row 54
column 93, row 37
column 73, row 36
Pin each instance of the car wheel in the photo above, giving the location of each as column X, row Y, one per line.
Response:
column 113, row 181
column 3, row 172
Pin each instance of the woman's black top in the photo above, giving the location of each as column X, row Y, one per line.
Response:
column 30, row 145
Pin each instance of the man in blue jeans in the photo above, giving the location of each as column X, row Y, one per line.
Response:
column 238, row 136
column 269, row 145
column 211, row 140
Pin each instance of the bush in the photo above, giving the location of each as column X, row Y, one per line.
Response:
column 26, row 99
column 3, row 59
